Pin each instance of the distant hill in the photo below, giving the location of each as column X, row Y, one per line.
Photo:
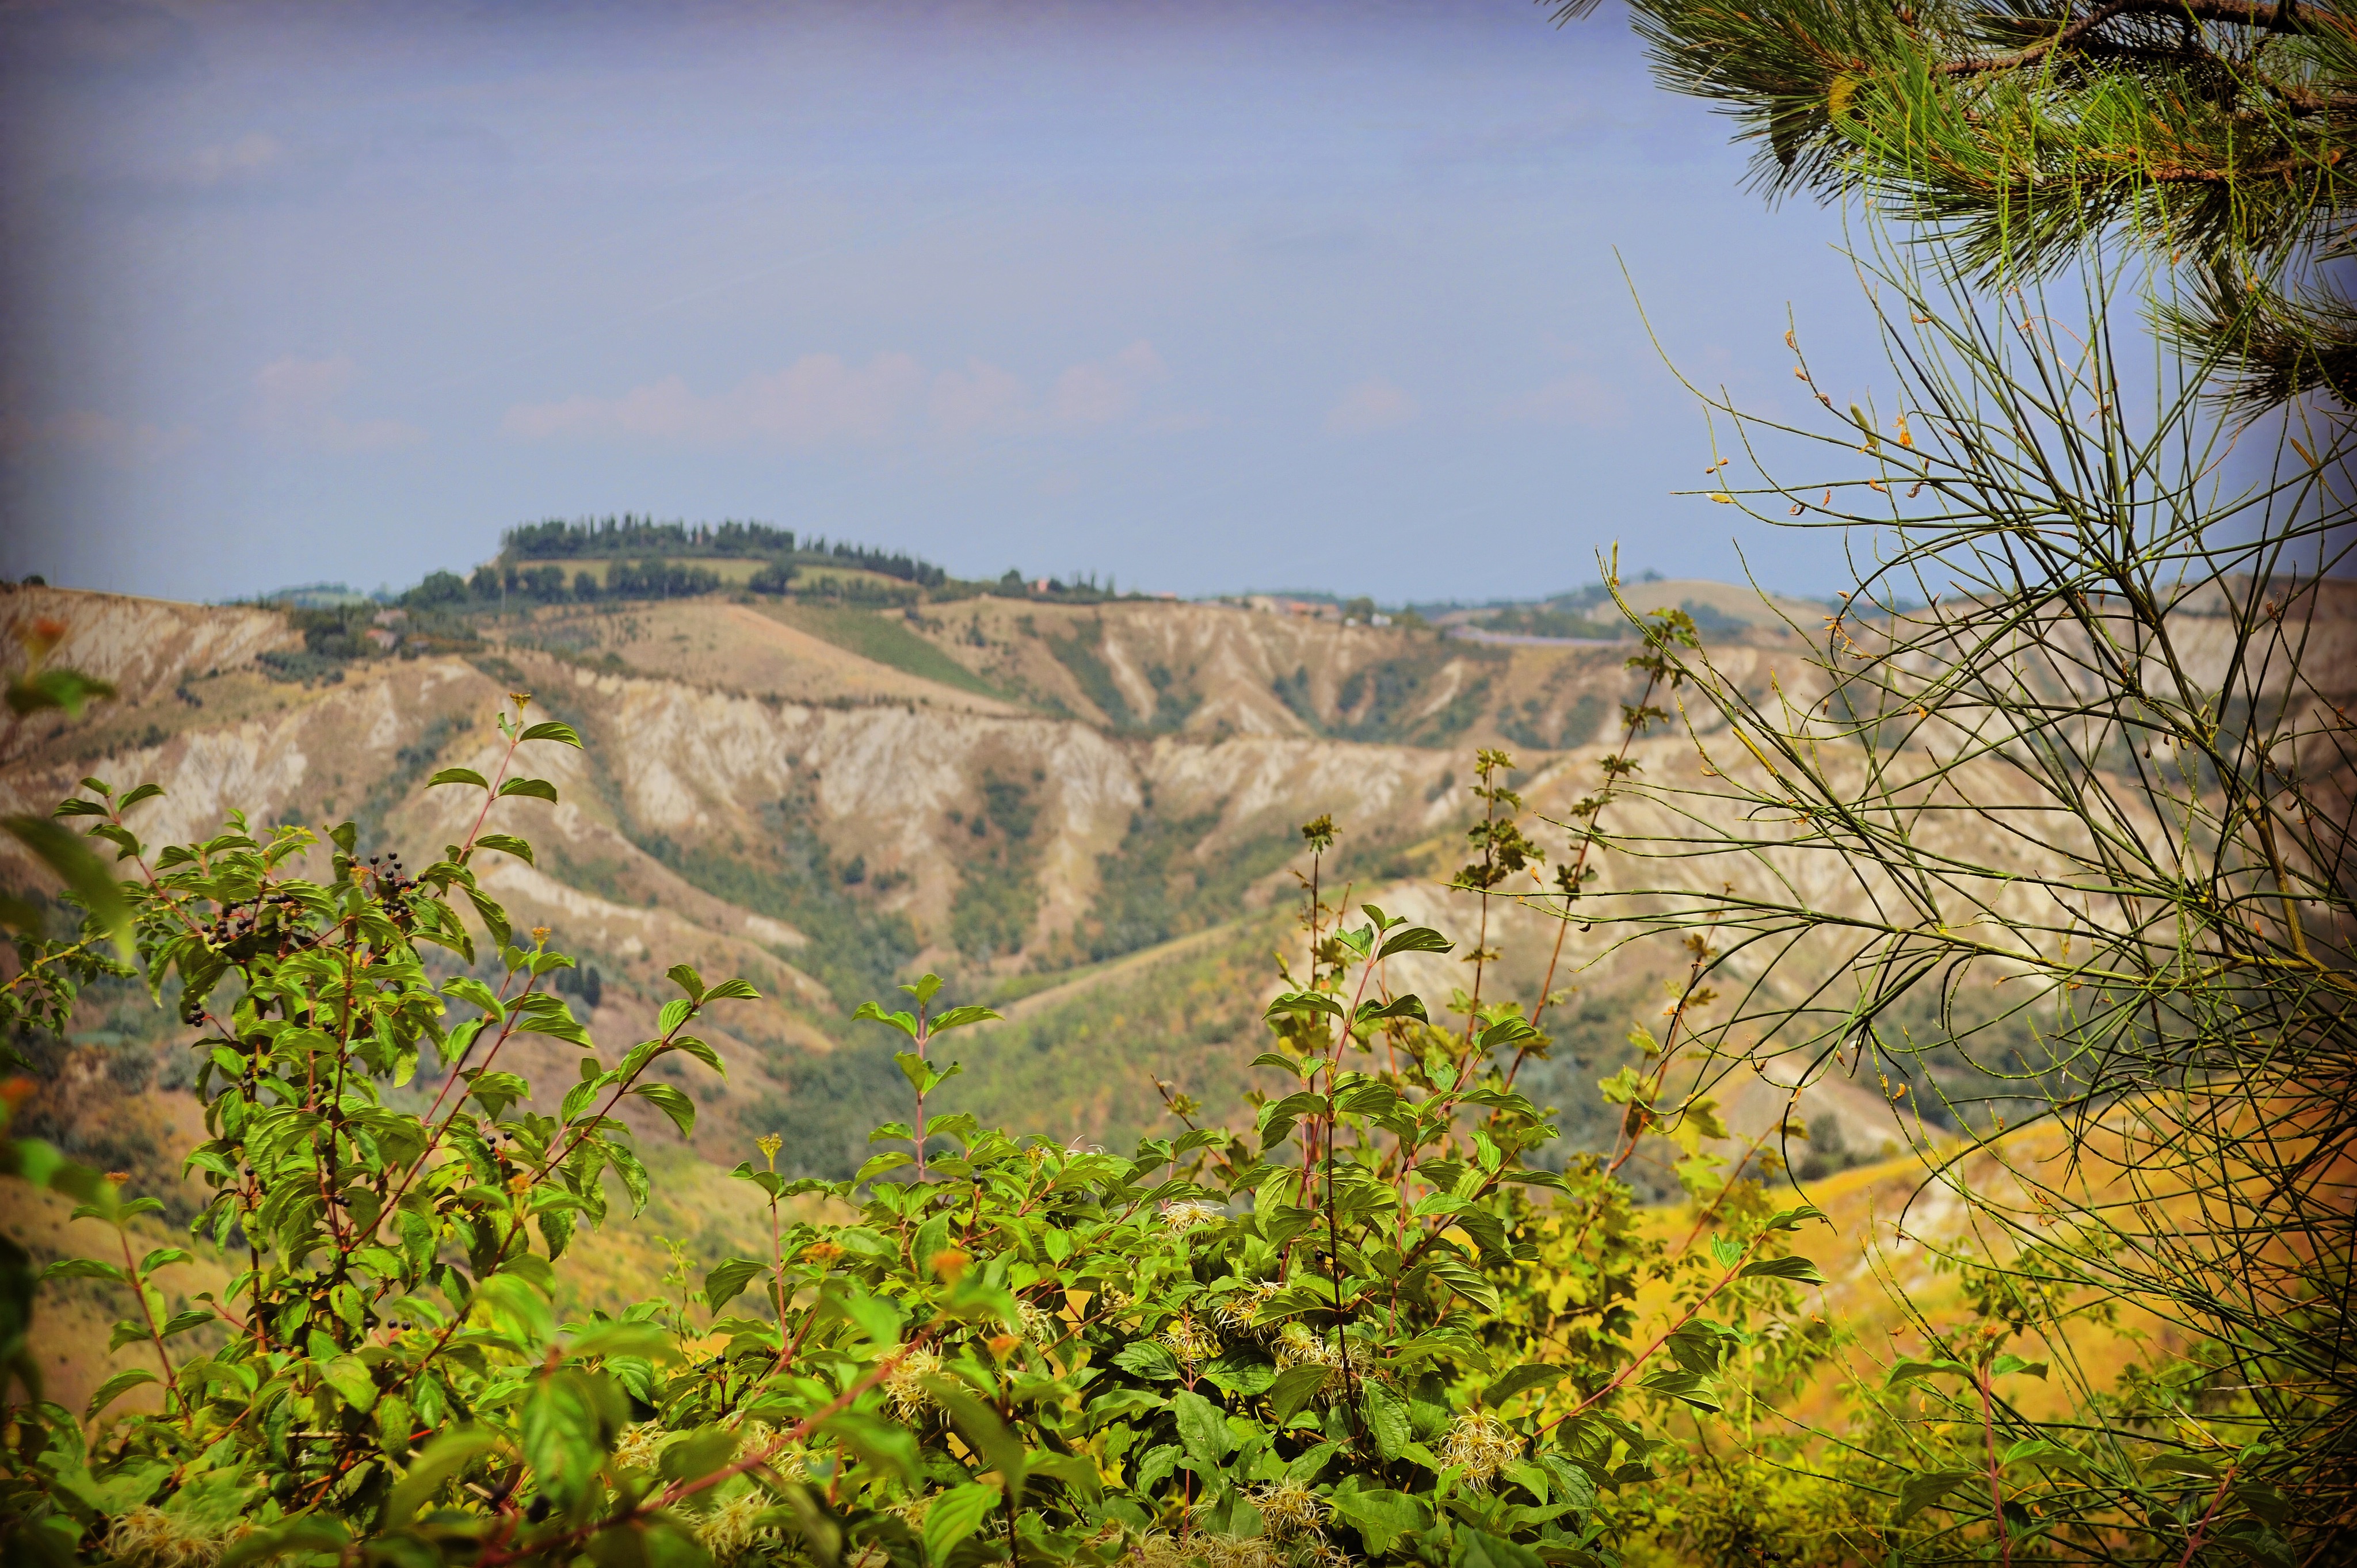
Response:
column 1086, row 813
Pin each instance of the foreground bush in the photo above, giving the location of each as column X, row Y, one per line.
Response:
column 1320, row 1341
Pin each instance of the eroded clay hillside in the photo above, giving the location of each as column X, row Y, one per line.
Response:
column 1087, row 816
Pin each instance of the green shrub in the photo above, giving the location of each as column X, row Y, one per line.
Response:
column 1320, row 1338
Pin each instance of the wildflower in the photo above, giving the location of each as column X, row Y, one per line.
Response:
column 1481, row 1446
column 1235, row 1313
column 770, row 1143
column 905, row 1388
column 1189, row 1341
column 1040, row 1326
column 637, row 1447
column 1229, row 1552
column 1289, row 1510
column 150, row 1538
column 1296, row 1346
column 1188, row 1213
column 733, row 1530
column 1160, row 1550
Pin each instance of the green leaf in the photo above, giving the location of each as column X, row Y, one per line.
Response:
column 1155, row 1465
column 1792, row 1219
column 2051, row 1455
column 883, row 1443
column 1416, row 939
column 1410, row 1005
column 1795, row 1268
column 924, row 988
column 467, row 988
column 2005, row 1365
column 956, row 1514
column 1202, row 1431
column 181, row 1322
column 1529, row 1375
column 1388, row 1419
column 436, row 1464
column 348, row 1375
column 671, row 1103
column 90, row 879
column 1295, row 1388
column 549, row 729
column 1920, row 1492
column 531, row 789
column 1381, row 1516
column 458, row 776
column 83, row 1269
column 1459, row 1276
column 988, row 1435
column 733, row 991
column 875, row 1317
column 115, row 1387
column 725, row 1282
column 904, row 1022
column 1690, row 1388
column 1480, row 1548
column 1148, row 1360
column 506, row 844
column 1906, row 1370
column 959, row 1017
column 687, row 980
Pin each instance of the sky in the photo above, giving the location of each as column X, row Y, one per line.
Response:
column 1201, row 296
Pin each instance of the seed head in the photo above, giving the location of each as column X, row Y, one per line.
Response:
column 732, row 1530
column 1188, row 1213
column 1190, row 1341
column 1481, row 1446
column 1290, row 1511
column 905, row 1390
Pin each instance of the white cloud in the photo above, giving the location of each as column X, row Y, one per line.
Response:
column 1368, row 406
column 1106, row 390
column 1579, row 398
column 296, row 399
column 982, row 399
column 84, row 432
column 821, row 400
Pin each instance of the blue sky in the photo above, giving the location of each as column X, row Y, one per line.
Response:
column 1201, row 295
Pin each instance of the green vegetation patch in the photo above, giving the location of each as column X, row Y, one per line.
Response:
column 885, row 640
column 856, row 949
column 1077, row 653
column 1162, row 883
column 998, row 891
column 1383, row 701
